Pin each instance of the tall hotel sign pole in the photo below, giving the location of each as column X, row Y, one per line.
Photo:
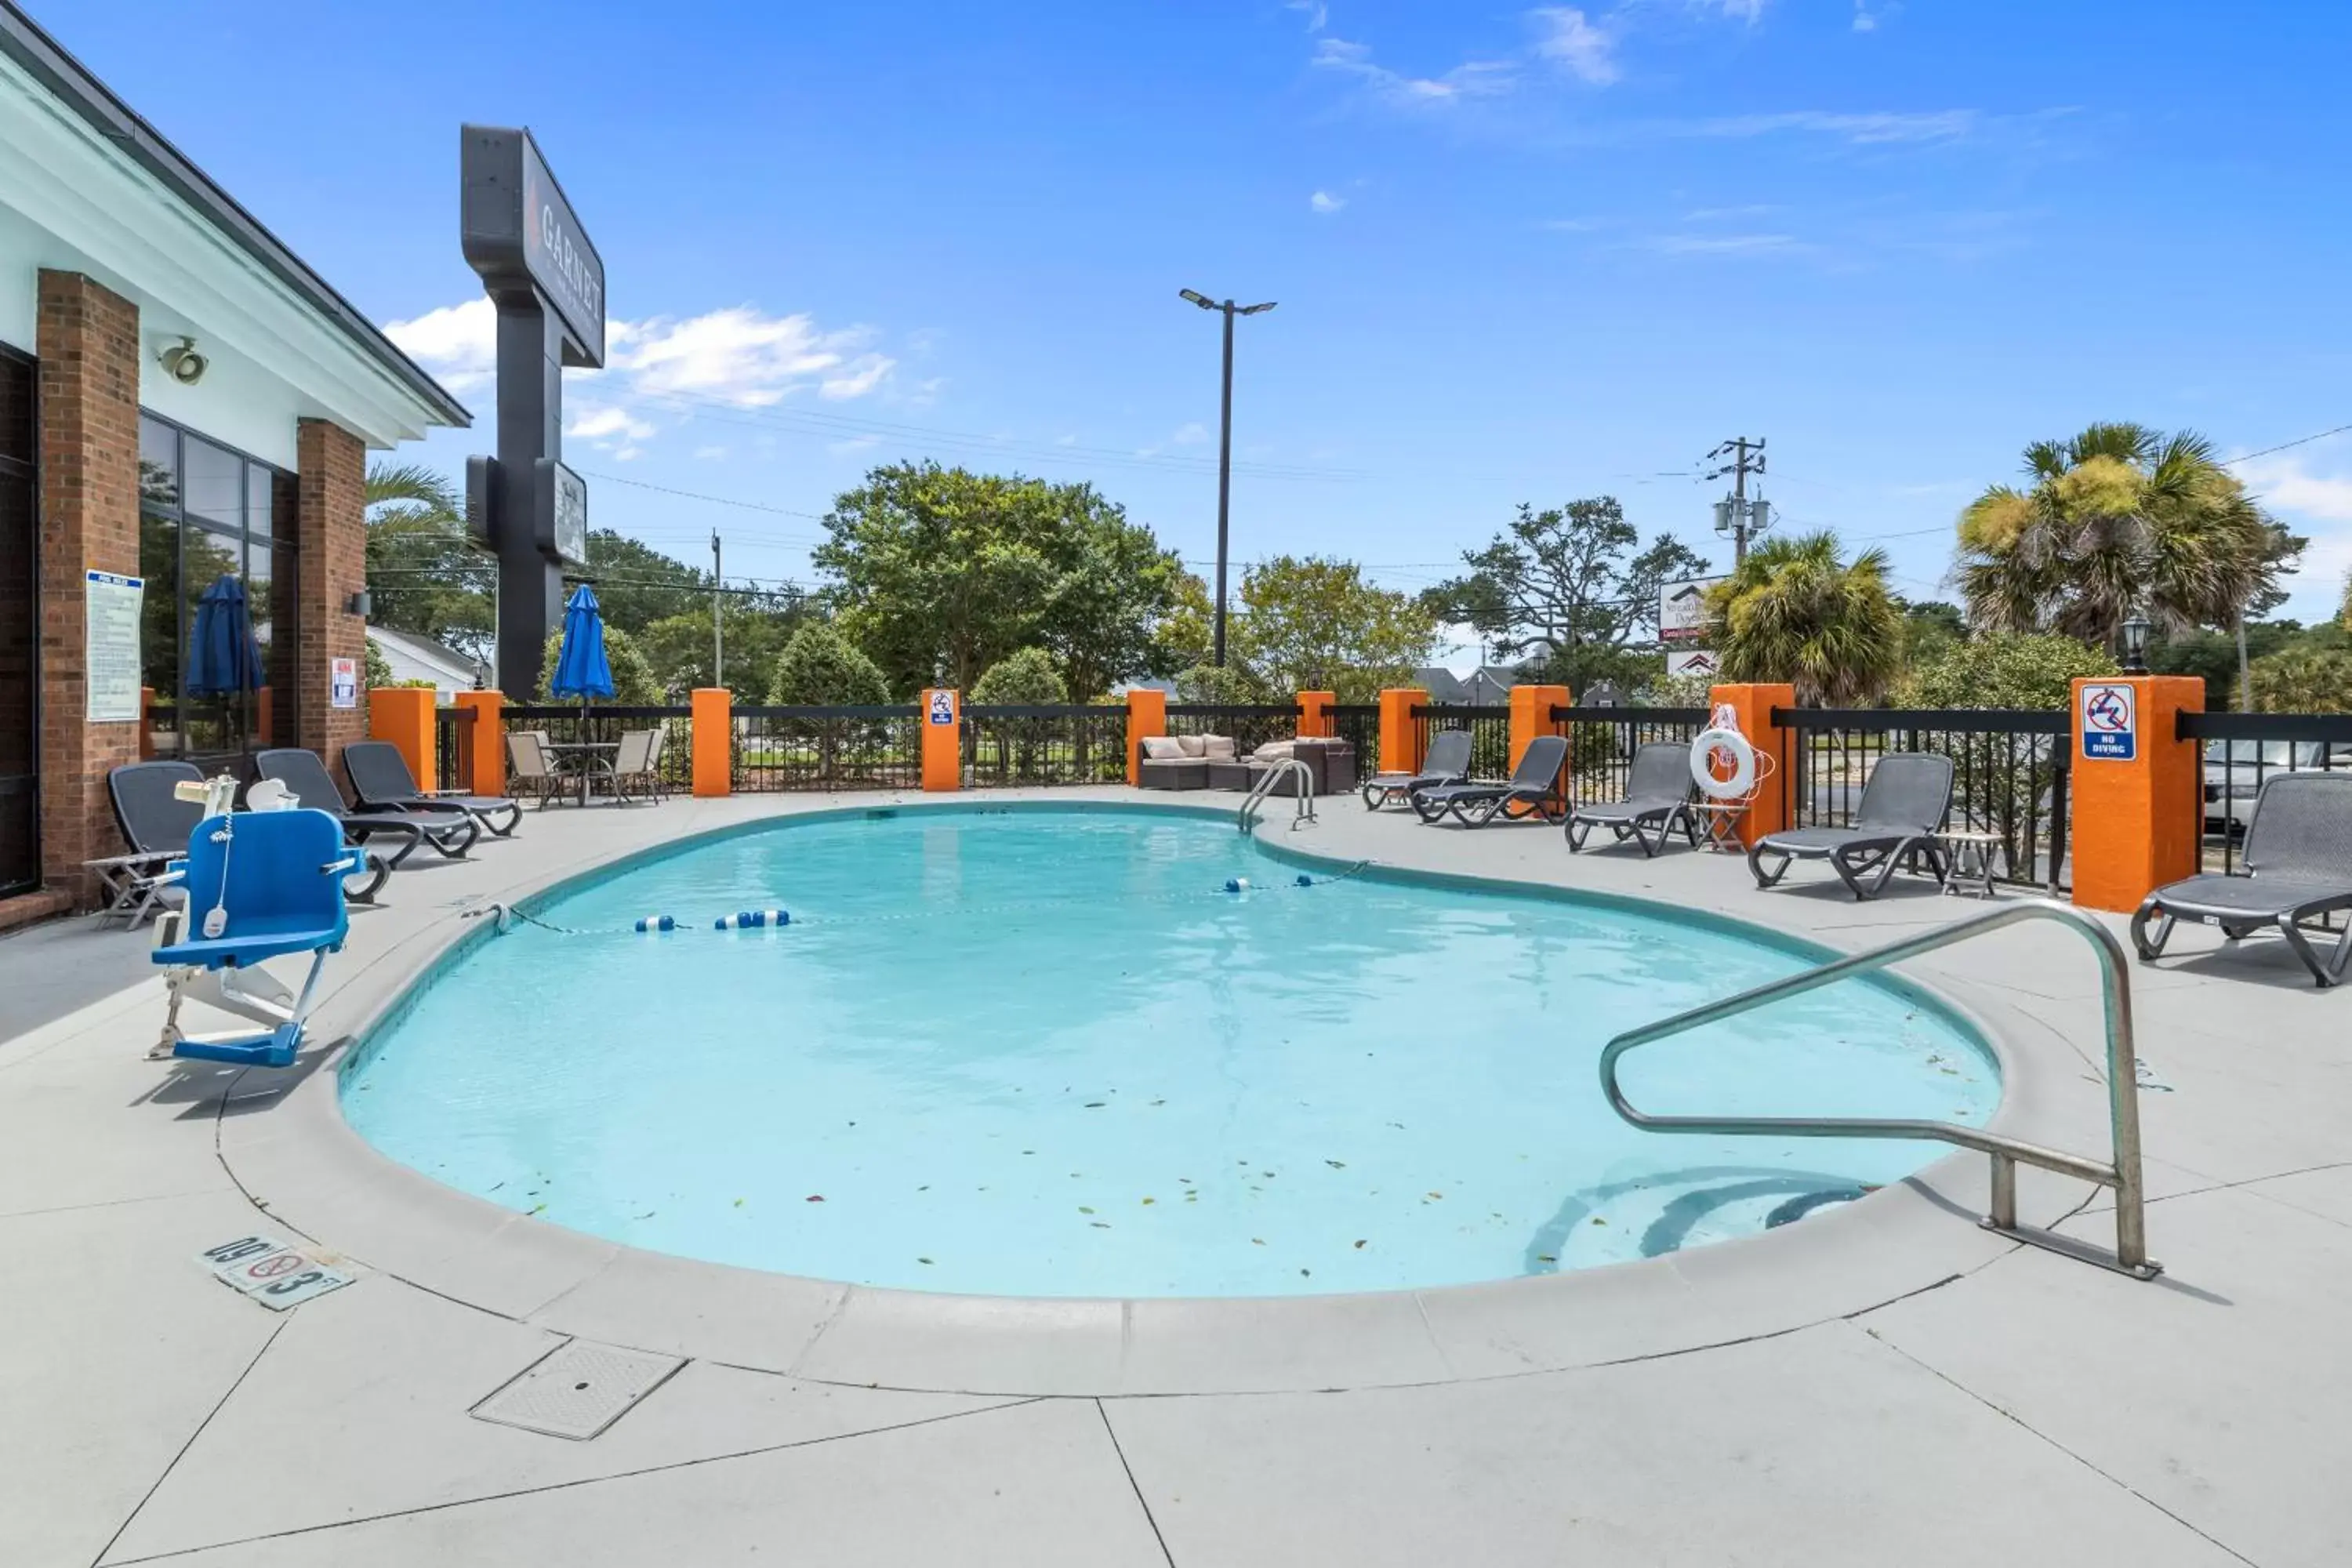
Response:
column 548, row 283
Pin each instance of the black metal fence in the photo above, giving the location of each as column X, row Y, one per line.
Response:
column 565, row 726
column 452, row 748
column 1358, row 724
column 1601, row 742
column 2240, row 750
column 791, row 748
column 1250, row 725
column 2009, row 775
column 1490, row 733
column 1060, row 743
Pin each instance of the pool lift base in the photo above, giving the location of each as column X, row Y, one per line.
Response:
column 2121, row 1171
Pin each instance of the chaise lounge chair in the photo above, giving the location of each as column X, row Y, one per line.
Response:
column 1657, row 796
column 380, row 782
column 306, row 776
column 156, row 823
column 1901, row 810
column 1534, row 783
column 1448, row 762
column 2298, row 859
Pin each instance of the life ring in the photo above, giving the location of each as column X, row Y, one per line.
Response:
column 1743, row 764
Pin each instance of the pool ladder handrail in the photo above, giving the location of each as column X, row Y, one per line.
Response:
column 2122, row 1172
column 1246, row 815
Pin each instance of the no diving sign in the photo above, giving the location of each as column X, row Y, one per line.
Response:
column 2110, row 723
column 272, row 1272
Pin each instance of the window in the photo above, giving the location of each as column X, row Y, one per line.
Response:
column 207, row 514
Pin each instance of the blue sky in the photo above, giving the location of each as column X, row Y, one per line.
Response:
column 1521, row 253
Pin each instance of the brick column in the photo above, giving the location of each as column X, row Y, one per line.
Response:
column 942, row 717
column 330, row 532
column 405, row 716
column 1403, row 737
column 1751, row 711
column 1314, row 719
column 2139, row 816
column 88, row 342
column 713, row 741
column 1146, row 716
column 489, row 774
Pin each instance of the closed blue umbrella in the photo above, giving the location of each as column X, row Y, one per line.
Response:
column 580, row 668
column 223, row 659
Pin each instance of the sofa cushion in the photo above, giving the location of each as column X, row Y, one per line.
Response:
column 1275, row 751
column 1161, row 748
column 1218, row 748
column 1193, row 745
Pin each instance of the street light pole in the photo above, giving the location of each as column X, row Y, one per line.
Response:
column 1224, row 451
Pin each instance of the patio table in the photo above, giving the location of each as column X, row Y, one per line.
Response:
column 584, row 758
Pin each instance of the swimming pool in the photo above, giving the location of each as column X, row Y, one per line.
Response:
column 1042, row 1051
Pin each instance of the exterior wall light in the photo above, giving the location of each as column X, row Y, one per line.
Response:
column 183, row 363
column 2135, row 641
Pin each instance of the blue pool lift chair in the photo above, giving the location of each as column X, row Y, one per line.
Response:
column 258, row 885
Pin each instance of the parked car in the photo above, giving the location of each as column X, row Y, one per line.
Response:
column 2234, row 772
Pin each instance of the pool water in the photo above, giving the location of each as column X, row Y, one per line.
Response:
column 1044, row 1052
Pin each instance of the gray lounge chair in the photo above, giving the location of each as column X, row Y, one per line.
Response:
column 380, row 782
column 1657, row 797
column 1901, row 810
column 156, row 823
column 1447, row 762
column 1534, row 782
column 306, row 776
column 2298, row 860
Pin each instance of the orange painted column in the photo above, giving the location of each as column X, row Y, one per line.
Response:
column 1402, row 740
column 489, row 774
column 2138, row 787
column 404, row 716
column 714, row 740
column 1146, row 716
column 940, row 712
column 1751, row 710
column 1531, row 709
column 1314, row 719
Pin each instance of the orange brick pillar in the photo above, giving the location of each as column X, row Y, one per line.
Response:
column 2138, row 787
column 1147, row 715
column 403, row 715
column 1314, row 719
column 1531, row 709
column 941, row 713
column 86, row 338
column 1751, row 709
column 489, row 774
column 1403, row 738
column 714, row 740
column 331, row 529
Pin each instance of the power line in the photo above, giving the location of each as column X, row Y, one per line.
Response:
column 2285, row 445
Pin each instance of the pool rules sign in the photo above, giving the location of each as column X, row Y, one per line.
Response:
column 2110, row 722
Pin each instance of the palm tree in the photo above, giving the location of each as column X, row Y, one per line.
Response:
column 423, row 574
column 2120, row 517
column 1793, row 611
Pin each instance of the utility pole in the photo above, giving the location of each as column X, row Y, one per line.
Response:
column 1736, row 514
column 1224, row 448
column 717, row 614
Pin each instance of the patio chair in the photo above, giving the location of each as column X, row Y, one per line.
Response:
column 1534, row 784
column 633, row 765
column 156, row 823
column 528, row 771
column 380, row 782
column 306, row 776
column 1657, row 796
column 2298, row 860
column 1902, row 807
column 1446, row 763
column 259, row 885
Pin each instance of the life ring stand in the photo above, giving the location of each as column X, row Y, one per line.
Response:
column 1748, row 767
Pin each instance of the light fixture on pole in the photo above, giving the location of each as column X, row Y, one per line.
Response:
column 1225, row 447
column 2136, row 630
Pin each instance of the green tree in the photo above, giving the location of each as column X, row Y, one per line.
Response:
column 1793, row 611
column 376, row 671
column 2214, row 656
column 1929, row 627
column 2005, row 669
column 819, row 668
column 634, row 685
column 2303, row 678
column 2120, row 516
column 1025, row 677
column 679, row 648
column 637, row 584
column 1186, row 637
column 1112, row 588
column 1313, row 624
column 1573, row 585
column 1226, row 685
column 425, row 575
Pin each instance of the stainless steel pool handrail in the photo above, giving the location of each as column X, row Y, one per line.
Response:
column 1246, row 815
column 2122, row 1172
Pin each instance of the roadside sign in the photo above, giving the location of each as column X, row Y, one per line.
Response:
column 1681, row 609
column 1681, row 662
column 2110, row 721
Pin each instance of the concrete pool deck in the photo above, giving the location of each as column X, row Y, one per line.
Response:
column 1881, row 1383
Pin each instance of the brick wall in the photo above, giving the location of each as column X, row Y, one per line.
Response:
column 88, row 343
column 331, row 534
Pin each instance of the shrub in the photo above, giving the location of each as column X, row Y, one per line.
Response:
column 2302, row 681
column 1025, row 678
column 820, row 667
column 2005, row 669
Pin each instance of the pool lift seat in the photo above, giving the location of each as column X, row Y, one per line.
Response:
column 259, row 885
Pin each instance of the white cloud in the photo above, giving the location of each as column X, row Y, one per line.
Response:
column 1723, row 244
column 1863, row 22
column 2318, row 503
column 710, row 454
column 1866, row 128
column 737, row 355
column 1325, row 202
column 1190, row 435
column 1568, row 40
column 1317, row 14
column 855, row 444
column 1749, row 11
column 1473, row 78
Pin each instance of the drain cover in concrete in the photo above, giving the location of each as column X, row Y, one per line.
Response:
column 577, row 1390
